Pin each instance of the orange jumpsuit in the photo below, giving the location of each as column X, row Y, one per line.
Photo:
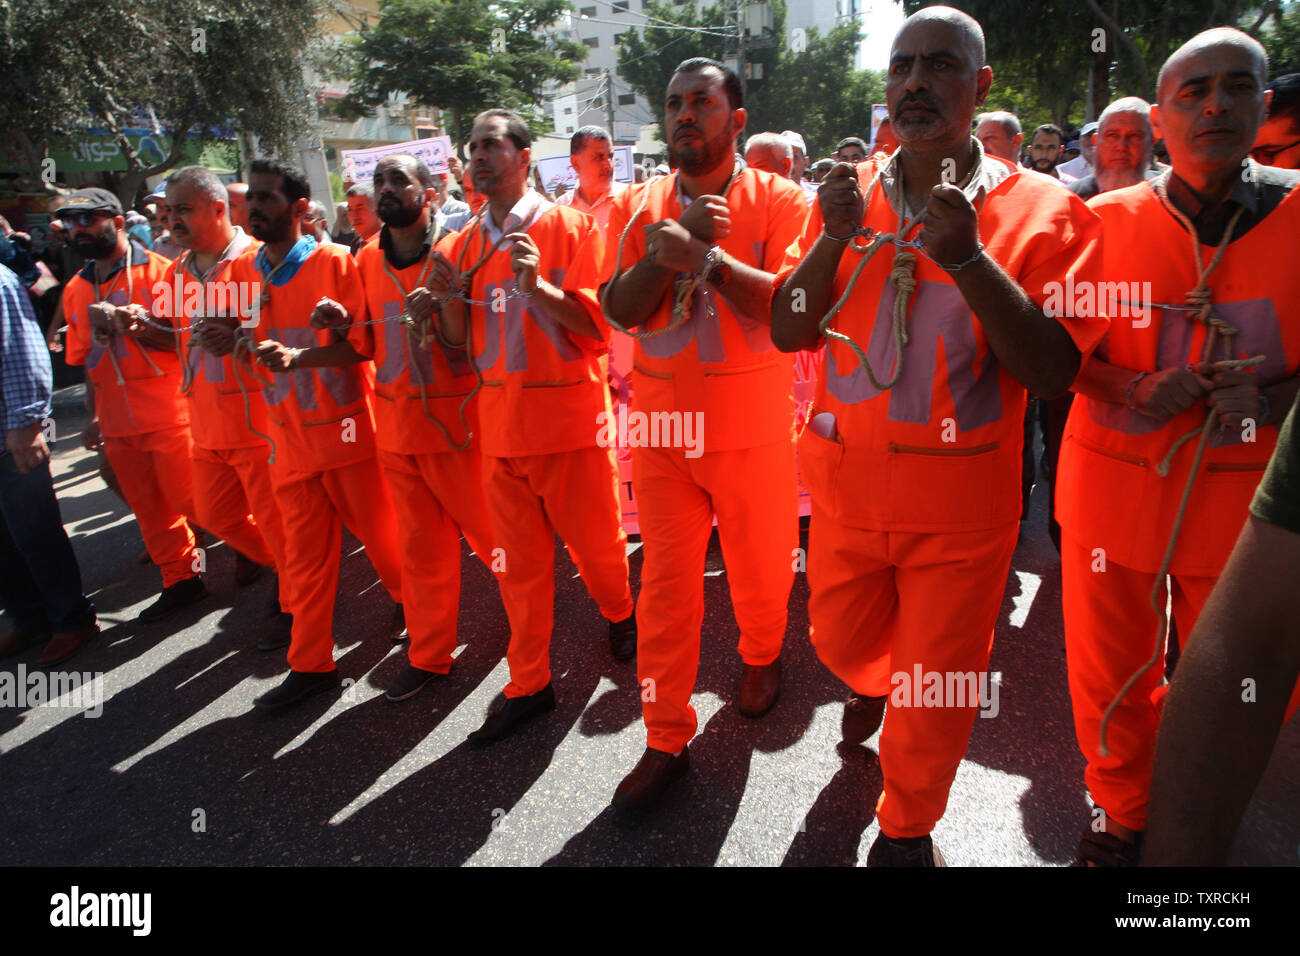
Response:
column 232, row 478
column 325, row 473
column 437, row 489
column 720, row 373
column 916, row 491
column 142, row 416
column 1117, row 513
column 543, row 471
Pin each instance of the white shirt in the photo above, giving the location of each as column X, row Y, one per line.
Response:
column 599, row 209
column 1076, row 168
column 522, row 215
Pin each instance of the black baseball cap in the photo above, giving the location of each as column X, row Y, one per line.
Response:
column 93, row 199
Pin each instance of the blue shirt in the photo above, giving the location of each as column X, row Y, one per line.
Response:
column 24, row 358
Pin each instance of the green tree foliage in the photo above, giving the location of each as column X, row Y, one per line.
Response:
column 462, row 56
column 1281, row 38
column 194, row 65
column 815, row 91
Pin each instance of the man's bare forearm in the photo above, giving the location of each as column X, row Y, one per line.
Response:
column 634, row 296
column 565, row 309
column 329, row 356
column 1029, row 344
column 1225, row 706
column 749, row 291
column 805, row 297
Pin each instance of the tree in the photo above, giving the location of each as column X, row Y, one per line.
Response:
column 458, row 55
column 205, row 66
column 815, row 91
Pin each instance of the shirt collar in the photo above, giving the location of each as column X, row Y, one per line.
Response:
column 522, row 215
column 238, row 246
column 289, row 265
column 1245, row 192
column 572, row 198
column 386, row 243
column 684, row 200
column 989, row 172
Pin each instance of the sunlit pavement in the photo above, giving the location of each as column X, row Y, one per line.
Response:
column 178, row 769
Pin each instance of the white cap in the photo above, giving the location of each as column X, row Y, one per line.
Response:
column 795, row 140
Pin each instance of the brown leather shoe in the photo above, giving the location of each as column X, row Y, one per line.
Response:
column 862, row 718
column 654, row 772
column 65, row 645
column 760, row 686
column 19, row 638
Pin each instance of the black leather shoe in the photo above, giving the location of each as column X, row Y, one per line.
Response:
column 622, row 638
column 399, row 625
column 509, row 716
column 760, row 686
column 180, row 595
column 909, row 851
column 246, row 570
column 278, row 634
column 296, row 686
column 862, row 718
column 409, row 683
column 654, row 772
column 273, row 599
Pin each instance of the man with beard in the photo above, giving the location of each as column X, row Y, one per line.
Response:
column 133, row 395
column 544, row 398
column 232, row 481
column 592, row 155
column 1045, row 149
column 426, row 422
column 1170, row 432
column 912, row 451
column 723, row 226
column 1123, row 154
column 325, row 473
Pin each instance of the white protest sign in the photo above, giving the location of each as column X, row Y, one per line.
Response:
column 359, row 164
column 557, row 169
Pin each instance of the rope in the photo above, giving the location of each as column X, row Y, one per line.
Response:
column 412, row 326
column 1199, row 299
column 105, row 338
column 902, row 275
column 684, row 286
column 244, row 345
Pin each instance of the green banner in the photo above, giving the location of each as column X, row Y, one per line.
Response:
column 103, row 154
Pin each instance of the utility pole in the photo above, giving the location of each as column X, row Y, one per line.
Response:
column 609, row 102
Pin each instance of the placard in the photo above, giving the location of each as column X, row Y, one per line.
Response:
column 359, row 164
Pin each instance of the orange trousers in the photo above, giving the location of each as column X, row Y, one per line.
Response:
column 235, row 501
column 154, row 473
column 882, row 604
column 436, row 497
column 530, row 499
column 1109, row 633
column 755, row 496
column 314, row 507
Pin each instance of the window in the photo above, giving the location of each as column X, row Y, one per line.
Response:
column 620, row 6
column 569, row 130
column 592, row 42
column 587, row 11
column 620, row 38
column 592, row 71
column 568, row 111
column 627, row 99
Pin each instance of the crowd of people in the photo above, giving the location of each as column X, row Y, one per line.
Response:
column 437, row 368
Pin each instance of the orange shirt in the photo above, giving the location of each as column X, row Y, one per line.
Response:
column 320, row 417
column 444, row 374
column 217, row 418
column 940, row 451
column 544, row 386
column 149, row 397
column 719, row 362
column 1109, row 494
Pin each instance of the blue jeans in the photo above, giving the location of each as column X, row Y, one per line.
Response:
column 40, row 580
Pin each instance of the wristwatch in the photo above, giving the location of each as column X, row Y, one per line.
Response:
column 716, row 269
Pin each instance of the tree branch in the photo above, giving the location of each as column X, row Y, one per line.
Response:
column 1125, row 39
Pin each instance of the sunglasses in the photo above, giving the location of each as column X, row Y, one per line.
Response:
column 1267, row 155
column 82, row 218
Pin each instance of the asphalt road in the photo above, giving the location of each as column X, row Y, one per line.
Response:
column 179, row 770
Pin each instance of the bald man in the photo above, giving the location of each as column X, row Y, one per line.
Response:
column 238, row 193
column 1159, row 376
column 912, row 452
column 1000, row 134
column 771, row 153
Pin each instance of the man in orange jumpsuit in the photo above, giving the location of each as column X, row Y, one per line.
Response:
column 426, row 424
column 538, row 337
column 232, row 479
column 912, row 451
column 717, row 374
column 133, row 388
column 1154, row 380
column 325, row 472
